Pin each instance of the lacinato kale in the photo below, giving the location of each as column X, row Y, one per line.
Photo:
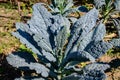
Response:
column 60, row 48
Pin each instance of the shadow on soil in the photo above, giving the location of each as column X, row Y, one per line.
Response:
column 115, row 63
column 7, row 72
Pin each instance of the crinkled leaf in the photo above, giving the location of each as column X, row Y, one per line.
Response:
column 99, row 32
column 60, row 29
column 42, row 14
column 96, row 75
column 96, row 34
column 60, row 39
column 115, row 42
column 25, row 61
column 81, row 28
column 42, row 43
column 80, row 56
column 35, row 33
column 96, row 66
column 98, row 48
column 58, row 21
column 48, row 56
column 99, row 3
column 38, row 25
column 99, row 75
column 20, row 60
column 85, row 24
column 26, row 39
column 40, row 69
column 93, row 71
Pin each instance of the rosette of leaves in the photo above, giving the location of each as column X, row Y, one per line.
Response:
column 59, row 50
column 65, row 7
column 108, row 10
column 107, row 7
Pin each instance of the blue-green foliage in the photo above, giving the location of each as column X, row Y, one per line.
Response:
column 59, row 53
column 115, row 42
column 96, row 49
column 94, row 71
column 108, row 8
column 107, row 11
column 63, row 7
column 82, row 9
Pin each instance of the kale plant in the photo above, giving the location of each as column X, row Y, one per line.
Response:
column 107, row 9
column 65, row 7
column 60, row 48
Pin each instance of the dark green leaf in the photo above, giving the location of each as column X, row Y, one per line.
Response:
column 81, row 28
column 98, row 48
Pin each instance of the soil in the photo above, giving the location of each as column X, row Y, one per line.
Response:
column 114, row 72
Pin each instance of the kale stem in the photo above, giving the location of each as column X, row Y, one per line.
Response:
column 106, row 16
